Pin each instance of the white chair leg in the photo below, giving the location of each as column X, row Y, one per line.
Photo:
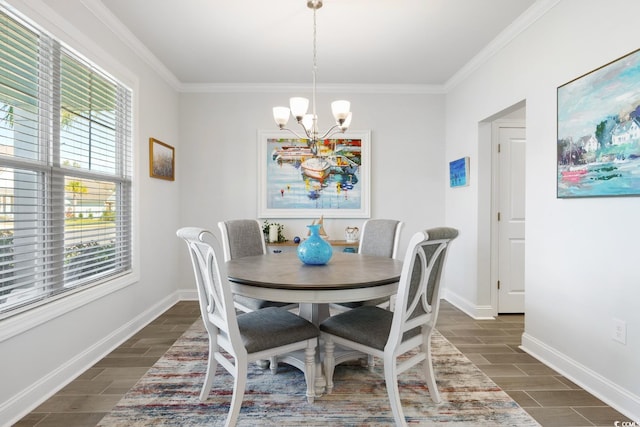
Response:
column 392, row 302
column 273, row 364
column 262, row 364
column 329, row 363
column 212, row 365
column 429, row 375
column 371, row 362
column 310, row 369
column 239, row 384
column 391, row 381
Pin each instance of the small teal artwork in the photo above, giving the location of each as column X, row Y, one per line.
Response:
column 459, row 172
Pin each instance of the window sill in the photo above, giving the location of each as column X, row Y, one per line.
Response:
column 32, row 318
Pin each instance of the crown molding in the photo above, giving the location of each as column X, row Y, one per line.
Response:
column 128, row 38
column 530, row 16
column 321, row 88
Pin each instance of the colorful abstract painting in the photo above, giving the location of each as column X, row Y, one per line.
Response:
column 599, row 131
column 296, row 181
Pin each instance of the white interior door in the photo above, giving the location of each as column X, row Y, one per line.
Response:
column 511, row 218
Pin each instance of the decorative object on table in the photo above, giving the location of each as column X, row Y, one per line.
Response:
column 273, row 232
column 351, row 234
column 315, row 250
column 161, row 160
column 299, row 106
column 321, row 231
column 598, row 141
column 293, row 183
column 296, row 239
column 459, row 172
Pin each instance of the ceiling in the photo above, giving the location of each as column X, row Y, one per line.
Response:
column 359, row 42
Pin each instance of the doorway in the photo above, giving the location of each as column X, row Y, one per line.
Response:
column 508, row 208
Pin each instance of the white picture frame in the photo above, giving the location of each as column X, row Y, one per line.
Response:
column 286, row 189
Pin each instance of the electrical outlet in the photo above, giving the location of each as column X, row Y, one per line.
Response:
column 619, row 331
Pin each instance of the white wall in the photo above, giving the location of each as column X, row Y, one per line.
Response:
column 218, row 161
column 215, row 140
column 581, row 255
column 58, row 346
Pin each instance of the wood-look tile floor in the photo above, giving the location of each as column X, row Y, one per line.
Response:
column 491, row 344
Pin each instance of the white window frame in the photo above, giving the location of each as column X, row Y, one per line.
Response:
column 66, row 302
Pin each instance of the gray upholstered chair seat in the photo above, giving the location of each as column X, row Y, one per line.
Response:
column 257, row 329
column 256, row 304
column 381, row 302
column 367, row 324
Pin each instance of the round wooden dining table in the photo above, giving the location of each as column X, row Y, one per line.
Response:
column 347, row 277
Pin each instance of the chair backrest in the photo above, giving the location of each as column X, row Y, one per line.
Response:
column 418, row 299
column 242, row 237
column 380, row 237
column 214, row 290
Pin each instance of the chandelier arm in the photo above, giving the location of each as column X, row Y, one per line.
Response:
column 332, row 131
column 296, row 134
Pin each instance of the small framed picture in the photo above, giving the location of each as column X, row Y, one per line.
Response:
column 161, row 160
column 459, row 172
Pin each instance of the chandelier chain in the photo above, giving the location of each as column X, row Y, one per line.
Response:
column 315, row 69
column 299, row 106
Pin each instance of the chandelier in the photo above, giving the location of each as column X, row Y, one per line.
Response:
column 298, row 106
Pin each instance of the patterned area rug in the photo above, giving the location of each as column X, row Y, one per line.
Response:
column 168, row 394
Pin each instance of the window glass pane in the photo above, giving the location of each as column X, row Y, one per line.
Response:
column 18, row 90
column 89, row 228
column 22, row 266
column 87, row 117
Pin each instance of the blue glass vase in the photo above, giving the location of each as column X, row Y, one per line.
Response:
column 315, row 250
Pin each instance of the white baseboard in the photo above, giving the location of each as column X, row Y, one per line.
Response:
column 476, row 312
column 612, row 394
column 28, row 399
column 187, row 295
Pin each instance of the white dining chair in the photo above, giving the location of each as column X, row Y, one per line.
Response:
column 237, row 340
column 241, row 238
column 379, row 237
column 401, row 338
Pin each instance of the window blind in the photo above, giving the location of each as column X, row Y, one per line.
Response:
column 65, row 170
